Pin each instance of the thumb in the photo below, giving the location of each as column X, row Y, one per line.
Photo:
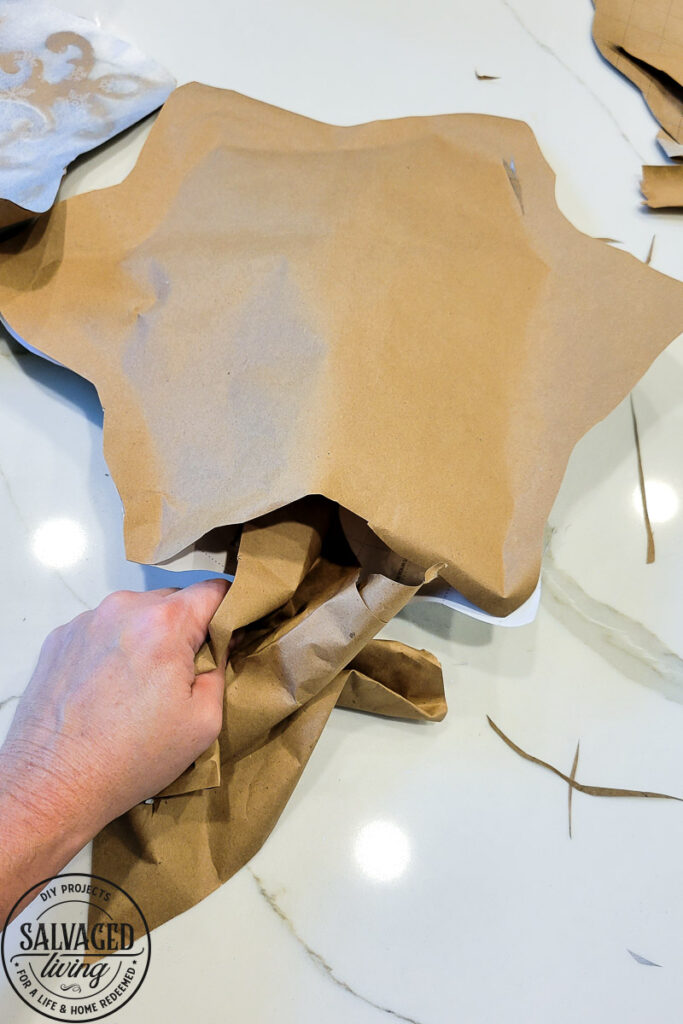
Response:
column 207, row 702
column 198, row 604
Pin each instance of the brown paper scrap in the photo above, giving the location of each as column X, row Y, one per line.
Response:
column 673, row 149
column 644, row 40
column 360, row 312
column 662, row 186
column 650, row 554
column 572, row 783
column 572, row 778
column 390, row 678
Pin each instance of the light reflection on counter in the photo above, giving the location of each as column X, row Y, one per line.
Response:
column 59, row 543
column 662, row 501
column 382, row 851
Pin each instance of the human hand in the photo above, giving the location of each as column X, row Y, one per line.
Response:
column 113, row 713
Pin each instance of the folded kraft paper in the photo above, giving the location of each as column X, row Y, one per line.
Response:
column 644, row 40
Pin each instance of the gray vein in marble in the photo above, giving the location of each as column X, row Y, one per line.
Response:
column 74, row 594
column 8, row 700
column 601, row 103
column 13, row 500
column 626, row 643
column 316, row 959
column 17, row 508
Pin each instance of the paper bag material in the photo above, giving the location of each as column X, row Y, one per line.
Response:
column 644, row 40
column 65, row 87
column 275, row 554
column 394, row 315
column 281, row 685
column 386, row 678
column 663, row 186
column 390, row 678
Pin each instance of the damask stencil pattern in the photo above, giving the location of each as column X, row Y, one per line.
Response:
column 65, row 87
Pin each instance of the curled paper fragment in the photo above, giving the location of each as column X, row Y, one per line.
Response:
column 318, row 610
column 65, row 87
column 644, row 40
column 390, row 678
column 394, row 315
column 570, row 779
column 663, row 186
column 673, row 149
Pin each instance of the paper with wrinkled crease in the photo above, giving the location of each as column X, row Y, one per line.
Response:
column 394, row 315
column 644, row 40
column 307, row 613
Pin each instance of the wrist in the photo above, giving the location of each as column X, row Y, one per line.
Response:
column 41, row 814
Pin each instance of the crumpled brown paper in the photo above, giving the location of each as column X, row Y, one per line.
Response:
column 308, row 613
column 394, row 315
column 644, row 40
column 390, row 678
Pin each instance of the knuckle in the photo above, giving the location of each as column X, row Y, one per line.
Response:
column 151, row 633
column 211, row 722
column 160, row 618
column 115, row 602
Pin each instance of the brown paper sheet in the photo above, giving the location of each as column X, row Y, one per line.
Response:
column 644, row 40
column 318, row 611
column 663, row 186
column 394, row 315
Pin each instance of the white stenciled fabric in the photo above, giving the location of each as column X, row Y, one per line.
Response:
column 65, row 87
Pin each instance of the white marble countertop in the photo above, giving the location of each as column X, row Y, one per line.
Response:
column 422, row 874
